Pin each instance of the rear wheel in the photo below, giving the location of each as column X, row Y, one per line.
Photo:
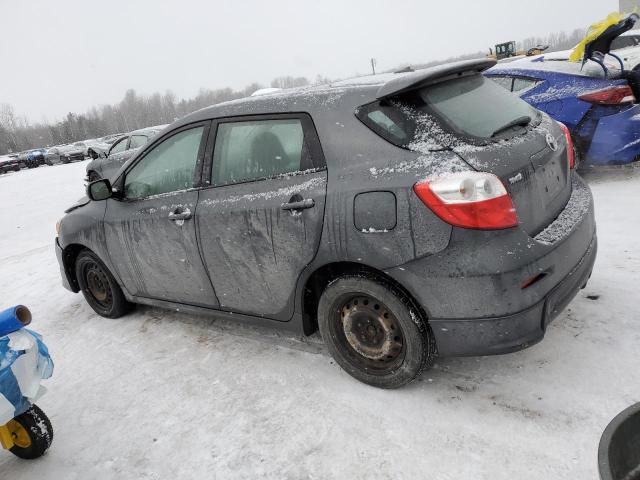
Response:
column 373, row 331
column 31, row 433
column 99, row 287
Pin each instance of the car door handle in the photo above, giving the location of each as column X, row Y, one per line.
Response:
column 299, row 205
column 180, row 214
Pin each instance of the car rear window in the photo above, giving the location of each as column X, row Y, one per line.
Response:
column 469, row 108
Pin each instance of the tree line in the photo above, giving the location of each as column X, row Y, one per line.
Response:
column 138, row 111
column 132, row 112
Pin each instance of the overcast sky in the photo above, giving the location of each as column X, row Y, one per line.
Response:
column 68, row 55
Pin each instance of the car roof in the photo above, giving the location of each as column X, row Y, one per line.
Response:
column 149, row 130
column 343, row 94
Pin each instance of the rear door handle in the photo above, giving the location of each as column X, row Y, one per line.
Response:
column 300, row 205
column 180, row 214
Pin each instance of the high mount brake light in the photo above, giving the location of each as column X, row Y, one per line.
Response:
column 474, row 200
column 571, row 154
column 610, row 96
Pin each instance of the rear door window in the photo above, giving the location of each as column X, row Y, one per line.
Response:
column 256, row 149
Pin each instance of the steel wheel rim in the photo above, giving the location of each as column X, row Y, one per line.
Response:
column 98, row 285
column 369, row 333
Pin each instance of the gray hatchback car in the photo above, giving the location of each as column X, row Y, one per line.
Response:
column 404, row 215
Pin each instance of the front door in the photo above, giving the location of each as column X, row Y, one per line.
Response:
column 260, row 222
column 150, row 232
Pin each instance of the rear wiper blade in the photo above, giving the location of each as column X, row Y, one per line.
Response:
column 520, row 121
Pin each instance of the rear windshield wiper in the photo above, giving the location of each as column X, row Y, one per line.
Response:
column 520, row 121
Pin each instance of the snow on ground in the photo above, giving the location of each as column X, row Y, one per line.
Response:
column 160, row 394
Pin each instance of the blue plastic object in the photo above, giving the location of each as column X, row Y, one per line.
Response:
column 13, row 319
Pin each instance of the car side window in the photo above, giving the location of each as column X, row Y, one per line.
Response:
column 252, row 150
column 137, row 141
column 168, row 167
column 521, row 85
column 119, row 146
column 505, row 82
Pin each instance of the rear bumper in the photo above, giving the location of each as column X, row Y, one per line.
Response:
column 492, row 336
column 478, row 293
column 616, row 140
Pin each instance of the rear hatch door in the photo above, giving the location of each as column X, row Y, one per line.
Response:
column 497, row 132
column 533, row 167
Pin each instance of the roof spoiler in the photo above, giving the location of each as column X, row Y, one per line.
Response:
column 421, row 78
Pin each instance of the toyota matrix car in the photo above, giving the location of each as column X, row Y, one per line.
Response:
column 403, row 215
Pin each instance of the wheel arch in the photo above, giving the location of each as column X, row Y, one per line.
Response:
column 69, row 256
column 322, row 276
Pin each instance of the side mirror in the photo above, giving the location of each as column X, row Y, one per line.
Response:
column 99, row 190
column 103, row 155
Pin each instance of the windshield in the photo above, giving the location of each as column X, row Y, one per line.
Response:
column 476, row 106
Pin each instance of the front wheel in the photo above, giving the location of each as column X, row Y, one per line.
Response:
column 93, row 176
column 31, row 433
column 374, row 332
column 99, row 287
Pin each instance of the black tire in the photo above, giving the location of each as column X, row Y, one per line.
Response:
column 38, row 428
column 92, row 176
column 99, row 287
column 374, row 332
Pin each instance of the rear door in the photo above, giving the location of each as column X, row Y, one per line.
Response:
column 260, row 220
column 150, row 231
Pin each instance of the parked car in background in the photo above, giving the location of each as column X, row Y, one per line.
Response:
column 119, row 152
column 102, row 145
column 73, row 152
column 9, row 163
column 401, row 214
column 32, row 158
column 598, row 102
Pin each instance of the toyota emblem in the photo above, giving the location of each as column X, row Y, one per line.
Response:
column 552, row 142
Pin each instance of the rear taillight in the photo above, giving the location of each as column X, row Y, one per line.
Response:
column 470, row 200
column 571, row 154
column 610, row 96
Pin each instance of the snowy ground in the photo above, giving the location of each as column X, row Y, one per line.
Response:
column 161, row 395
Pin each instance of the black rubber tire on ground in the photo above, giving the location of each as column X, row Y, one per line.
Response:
column 92, row 176
column 40, row 431
column 418, row 346
column 99, row 287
